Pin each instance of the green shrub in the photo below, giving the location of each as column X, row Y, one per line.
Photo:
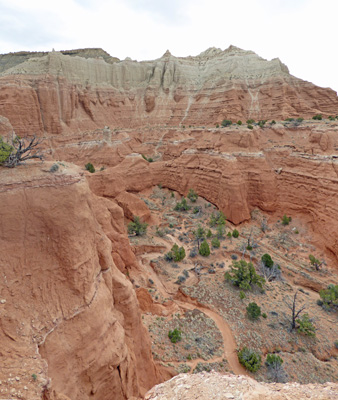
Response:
column 192, row 195
column 239, row 122
column 253, row 310
column 261, row 123
column 329, row 296
column 317, row 117
column 149, row 159
column 264, row 315
column 235, row 233
column 315, row 262
column 175, row 335
column 267, row 260
column 306, row 326
column 249, row 359
column 272, row 122
column 215, row 243
column 182, row 205
column 286, row 220
column 226, row 122
column 90, row 167
column 137, row 227
column 289, row 119
column 5, row 150
column 273, row 360
column 175, row 254
column 250, row 121
column 204, row 249
column 331, row 118
column 220, row 231
column 209, row 233
column 243, row 275
column 34, row 376
column 300, row 119
column 242, row 295
column 217, row 126
column 250, row 126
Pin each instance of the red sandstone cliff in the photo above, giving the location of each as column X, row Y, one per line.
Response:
column 70, row 322
column 58, row 93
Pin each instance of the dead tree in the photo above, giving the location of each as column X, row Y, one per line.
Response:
column 294, row 312
column 23, row 150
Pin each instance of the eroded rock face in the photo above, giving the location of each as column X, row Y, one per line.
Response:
column 214, row 386
column 60, row 93
column 68, row 315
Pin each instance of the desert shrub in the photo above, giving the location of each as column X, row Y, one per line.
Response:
column 137, row 227
column 274, row 364
column 192, row 195
column 267, row 260
column 175, row 254
column 204, row 249
column 243, row 275
column 249, row 359
column 250, row 121
column 90, row 167
column 242, row 295
column 315, row 262
column 289, row 119
column 193, row 252
column 329, row 296
column 253, row 310
column 54, row 168
column 149, row 159
column 261, row 123
column 300, row 119
column 239, row 122
column 286, row 220
column 217, row 125
column 272, row 122
column 209, row 233
column 305, row 325
column 175, row 335
column 234, row 256
column 196, row 210
column 226, row 122
column 215, row 243
column 182, row 205
column 250, row 126
column 220, row 231
column 235, row 233
column 317, row 117
column 5, row 150
column 331, row 118
column 264, row 315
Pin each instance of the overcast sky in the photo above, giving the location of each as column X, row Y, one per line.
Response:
column 302, row 33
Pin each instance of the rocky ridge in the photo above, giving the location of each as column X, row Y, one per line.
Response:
column 57, row 93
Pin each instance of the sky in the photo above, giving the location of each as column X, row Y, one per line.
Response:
column 301, row 33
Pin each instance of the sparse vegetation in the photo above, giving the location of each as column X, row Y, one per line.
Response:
column 137, row 227
column 315, row 262
column 274, row 364
column 250, row 359
column 286, row 220
column 182, row 205
column 90, row 167
column 267, row 260
column 175, row 254
column 215, row 243
column 305, row 325
column 243, row 275
column 235, row 233
column 317, row 117
column 226, row 122
column 192, row 195
column 175, row 335
column 329, row 296
column 250, row 121
column 250, row 126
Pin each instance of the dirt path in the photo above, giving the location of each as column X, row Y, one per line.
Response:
column 230, row 348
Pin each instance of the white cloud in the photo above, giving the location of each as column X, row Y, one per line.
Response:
column 300, row 32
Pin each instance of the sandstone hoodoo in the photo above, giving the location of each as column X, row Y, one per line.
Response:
column 183, row 220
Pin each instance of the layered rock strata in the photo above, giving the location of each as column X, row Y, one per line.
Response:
column 60, row 93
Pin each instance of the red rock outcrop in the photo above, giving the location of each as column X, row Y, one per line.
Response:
column 59, row 93
column 70, row 321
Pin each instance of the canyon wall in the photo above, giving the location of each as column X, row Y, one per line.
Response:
column 69, row 317
column 58, row 93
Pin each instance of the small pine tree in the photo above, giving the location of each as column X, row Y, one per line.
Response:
column 286, row 220
column 267, row 260
column 235, row 233
column 204, row 249
column 243, row 275
column 250, row 359
column 306, row 326
column 253, row 310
